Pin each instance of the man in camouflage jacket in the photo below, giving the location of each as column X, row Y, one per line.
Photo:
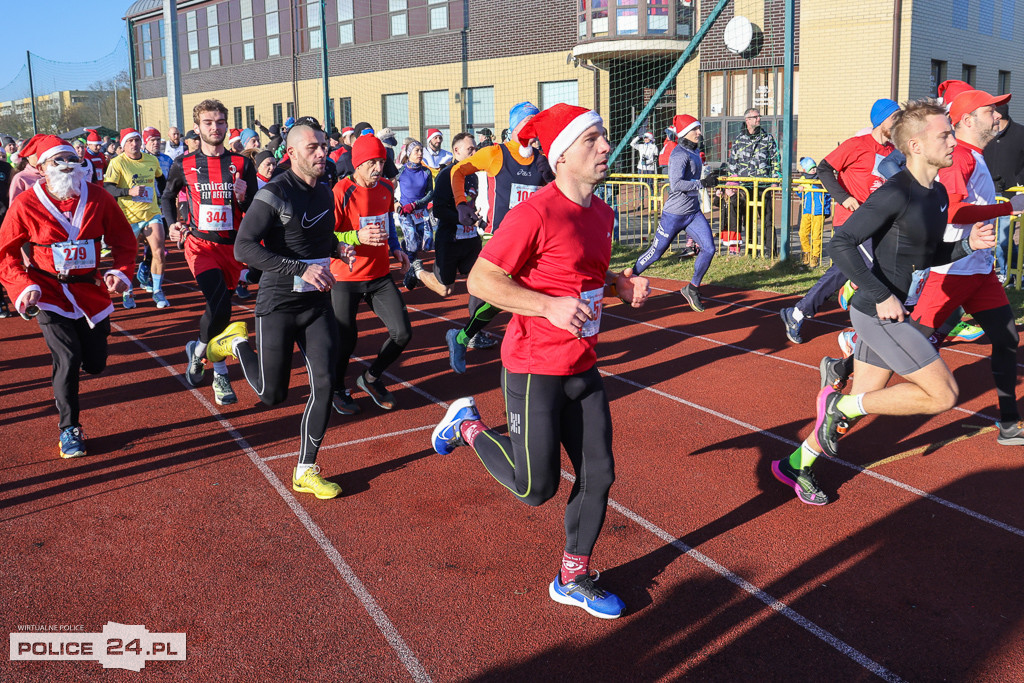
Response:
column 754, row 153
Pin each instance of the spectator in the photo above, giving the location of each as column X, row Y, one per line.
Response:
column 755, row 154
column 1005, row 159
column 250, row 139
column 647, row 153
column 191, row 141
column 486, row 138
column 817, row 205
column 667, row 147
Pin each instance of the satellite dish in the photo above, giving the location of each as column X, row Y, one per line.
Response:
column 738, row 34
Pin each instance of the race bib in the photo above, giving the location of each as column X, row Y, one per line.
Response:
column 465, row 232
column 299, row 285
column 215, row 218
column 419, row 216
column 73, row 255
column 145, row 194
column 593, row 298
column 917, row 282
column 374, row 222
column 520, row 193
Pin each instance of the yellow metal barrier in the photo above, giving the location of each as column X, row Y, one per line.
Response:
column 1014, row 253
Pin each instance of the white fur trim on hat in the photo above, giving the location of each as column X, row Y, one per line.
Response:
column 693, row 124
column 568, row 135
column 129, row 136
column 43, row 156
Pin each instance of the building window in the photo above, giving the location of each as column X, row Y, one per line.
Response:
column 313, row 23
column 396, row 113
column 346, row 33
column 657, row 17
column 434, row 113
column 273, row 22
column 147, row 50
column 478, row 106
column 344, row 112
column 559, row 92
column 969, row 74
column 192, row 31
column 291, row 110
column 1004, row 82
column 248, row 34
column 684, row 19
column 438, row 15
column 250, row 116
column 938, row 75
column 213, row 35
column 627, row 18
column 277, row 115
column 399, row 19
column 238, row 119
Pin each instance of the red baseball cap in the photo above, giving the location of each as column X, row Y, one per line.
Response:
column 969, row 100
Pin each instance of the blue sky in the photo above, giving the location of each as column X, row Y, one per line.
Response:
column 75, row 30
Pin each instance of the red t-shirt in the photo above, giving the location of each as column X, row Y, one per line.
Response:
column 959, row 180
column 856, row 161
column 356, row 207
column 552, row 245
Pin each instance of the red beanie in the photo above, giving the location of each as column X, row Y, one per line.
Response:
column 557, row 128
column 148, row 133
column 365, row 148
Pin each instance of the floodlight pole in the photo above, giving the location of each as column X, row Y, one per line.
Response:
column 31, row 92
column 787, row 130
column 171, row 64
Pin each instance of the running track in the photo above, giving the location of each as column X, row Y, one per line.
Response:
column 182, row 518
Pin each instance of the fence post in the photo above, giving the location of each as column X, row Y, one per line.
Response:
column 31, row 92
column 328, row 114
column 787, row 131
column 131, row 81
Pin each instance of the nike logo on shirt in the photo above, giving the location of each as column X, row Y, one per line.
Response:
column 944, row 207
column 307, row 223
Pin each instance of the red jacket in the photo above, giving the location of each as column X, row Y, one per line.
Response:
column 30, row 222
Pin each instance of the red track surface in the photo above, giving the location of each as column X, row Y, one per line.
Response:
column 182, row 518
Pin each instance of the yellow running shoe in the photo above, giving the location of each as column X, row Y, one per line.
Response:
column 219, row 347
column 312, row 482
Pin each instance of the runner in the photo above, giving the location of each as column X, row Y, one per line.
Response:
column 362, row 213
column 288, row 233
column 972, row 282
column 850, row 174
column 682, row 210
column 134, row 178
column 549, row 267
column 58, row 224
column 456, row 246
column 219, row 187
column 514, row 172
column 434, row 157
column 905, row 219
column 95, row 156
column 414, row 192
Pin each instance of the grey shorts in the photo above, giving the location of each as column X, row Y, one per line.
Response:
column 896, row 346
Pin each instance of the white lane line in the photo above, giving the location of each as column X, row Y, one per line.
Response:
column 355, row 441
column 871, row 473
column 387, row 629
column 755, row 352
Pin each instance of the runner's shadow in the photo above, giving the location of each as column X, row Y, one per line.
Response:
column 358, row 481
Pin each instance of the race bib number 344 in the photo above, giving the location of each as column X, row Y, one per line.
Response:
column 216, row 218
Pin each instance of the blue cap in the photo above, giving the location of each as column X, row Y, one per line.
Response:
column 290, row 122
column 247, row 134
column 520, row 112
column 807, row 164
column 881, row 110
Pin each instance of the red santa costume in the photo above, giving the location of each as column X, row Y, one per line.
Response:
column 52, row 246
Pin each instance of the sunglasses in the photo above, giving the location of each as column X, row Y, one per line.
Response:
column 64, row 163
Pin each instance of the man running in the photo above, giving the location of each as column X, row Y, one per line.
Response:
column 850, row 174
column 682, row 210
column 95, row 156
column 905, row 219
column 219, row 187
column 549, row 267
column 456, row 246
column 514, row 172
column 58, row 225
column 134, row 179
column 288, row 233
column 434, row 157
column 363, row 203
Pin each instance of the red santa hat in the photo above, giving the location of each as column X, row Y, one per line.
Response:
column 557, row 128
column 44, row 147
column 948, row 90
column 127, row 134
column 346, row 130
column 684, row 123
column 148, row 133
column 236, row 134
column 432, row 132
column 93, row 138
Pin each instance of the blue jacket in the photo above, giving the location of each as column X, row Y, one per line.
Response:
column 817, row 203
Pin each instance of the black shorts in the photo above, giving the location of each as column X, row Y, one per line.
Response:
column 452, row 256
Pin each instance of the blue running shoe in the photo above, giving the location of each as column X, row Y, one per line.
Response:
column 72, row 443
column 456, row 352
column 446, row 436
column 583, row 592
column 792, row 325
column 144, row 277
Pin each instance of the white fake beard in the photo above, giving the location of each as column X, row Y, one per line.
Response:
column 64, row 184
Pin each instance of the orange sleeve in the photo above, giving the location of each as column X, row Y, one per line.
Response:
column 487, row 159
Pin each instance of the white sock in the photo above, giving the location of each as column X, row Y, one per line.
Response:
column 221, row 367
column 798, row 315
column 200, row 350
column 301, row 468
